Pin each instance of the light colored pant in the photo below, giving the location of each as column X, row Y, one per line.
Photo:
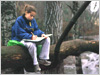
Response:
column 33, row 50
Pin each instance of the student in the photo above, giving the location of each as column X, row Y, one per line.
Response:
column 23, row 28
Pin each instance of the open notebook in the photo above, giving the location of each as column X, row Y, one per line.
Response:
column 38, row 39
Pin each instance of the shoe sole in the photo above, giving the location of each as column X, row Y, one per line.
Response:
column 46, row 64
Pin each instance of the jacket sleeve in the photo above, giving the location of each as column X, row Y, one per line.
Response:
column 37, row 31
column 20, row 32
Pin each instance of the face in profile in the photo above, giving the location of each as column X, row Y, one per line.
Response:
column 30, row 15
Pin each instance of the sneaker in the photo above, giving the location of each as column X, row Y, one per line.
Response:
column 37, row 68
column 44, row 62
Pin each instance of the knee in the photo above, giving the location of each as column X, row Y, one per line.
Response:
column 48, row 39
column 32, row 45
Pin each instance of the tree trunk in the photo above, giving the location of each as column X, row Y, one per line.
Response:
column 75, row 28
column 53, row 19
column 14, row 57
column 8, row 17
column 74, row 9
column 18, row 56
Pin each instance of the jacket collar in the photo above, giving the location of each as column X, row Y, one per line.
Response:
column 26, row 20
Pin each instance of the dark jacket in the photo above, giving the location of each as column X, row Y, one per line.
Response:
column 22, row 30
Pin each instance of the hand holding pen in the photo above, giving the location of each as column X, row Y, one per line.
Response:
column 33, row 36
column 43, row 35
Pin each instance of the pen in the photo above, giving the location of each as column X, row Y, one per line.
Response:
column 32, row 33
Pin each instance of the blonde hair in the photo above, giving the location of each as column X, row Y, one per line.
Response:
column 29, row 8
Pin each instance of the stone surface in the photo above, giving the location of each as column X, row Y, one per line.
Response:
column 90, row 63
column 70, row 69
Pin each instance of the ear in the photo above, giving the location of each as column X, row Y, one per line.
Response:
column 25, row 12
